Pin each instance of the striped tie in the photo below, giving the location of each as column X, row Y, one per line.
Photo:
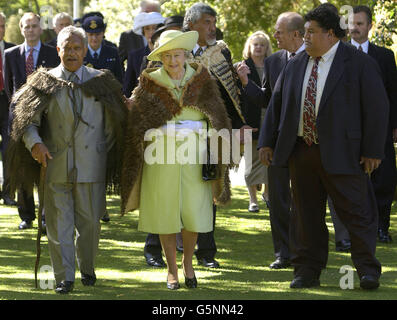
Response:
column 309, row 107
column 30, row 63
column 199, row 52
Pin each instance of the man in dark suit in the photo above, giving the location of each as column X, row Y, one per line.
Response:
column 327, row 121
column 5, row 193
column 129, row 40
column 20, row 62
column 289, row 31
column 60, row 21
column 384, row 178
column 100, row 55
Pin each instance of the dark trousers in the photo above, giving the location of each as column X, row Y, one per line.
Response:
column 384, row 183
column 4, row 139
column 206, row 246
column 354, row 203
column 25, row 203
column 280, row 209
column 25, row 198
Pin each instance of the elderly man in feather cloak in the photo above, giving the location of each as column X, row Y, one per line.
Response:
column 69, row 120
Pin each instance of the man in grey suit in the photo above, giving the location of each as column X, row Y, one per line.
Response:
column 72, row 132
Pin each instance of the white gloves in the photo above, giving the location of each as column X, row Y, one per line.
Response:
column 181, row 128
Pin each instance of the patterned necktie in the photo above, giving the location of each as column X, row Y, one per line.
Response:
column 293, row 54
column 199, row 52
column 360, row 48
column 75, row 97
column 1, row 72
column 30, row 63
column 309, row 107
column 95, row 55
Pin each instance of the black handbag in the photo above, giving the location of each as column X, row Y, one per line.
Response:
column 210, row 170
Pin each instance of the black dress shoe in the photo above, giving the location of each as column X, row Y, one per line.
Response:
column 64, row 287
column 191, row 282
column 155, row 261
column 369, row 282
column 208, row 262
column 301, row 282
column 106, row 217
column 25, row 225
column 88, row 280
column 280, row 263
column 343, row 245
column 384, row 236
column 8, row 201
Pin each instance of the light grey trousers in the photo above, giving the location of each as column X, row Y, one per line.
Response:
column 66, row 210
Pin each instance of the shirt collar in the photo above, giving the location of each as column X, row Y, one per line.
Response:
column 97, row 51
column 36, row 47
column 301, row 48
column 196, row 47
column 330, row 53
column 78, row 73
column 363, row 45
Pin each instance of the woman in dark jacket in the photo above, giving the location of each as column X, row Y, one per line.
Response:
column 256, row 49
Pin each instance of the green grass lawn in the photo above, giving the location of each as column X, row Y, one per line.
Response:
column 245, row 251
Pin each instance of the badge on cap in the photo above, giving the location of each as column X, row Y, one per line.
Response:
column 93, row 25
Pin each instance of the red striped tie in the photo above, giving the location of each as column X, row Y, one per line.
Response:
column 309, row 107
column 30, row 63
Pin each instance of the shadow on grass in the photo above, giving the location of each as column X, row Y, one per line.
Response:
column 245, row 251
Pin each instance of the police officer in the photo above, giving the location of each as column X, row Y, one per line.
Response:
column 99, row 54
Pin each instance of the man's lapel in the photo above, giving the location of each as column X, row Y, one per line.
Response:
column 372, row 51
column 335, row 72
column 298, row 76
column 41, row 60
column 22, row 62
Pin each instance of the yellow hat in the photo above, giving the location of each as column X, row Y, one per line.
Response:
column 174, row 39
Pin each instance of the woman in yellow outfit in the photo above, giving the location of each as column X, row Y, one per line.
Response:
column 162, row 169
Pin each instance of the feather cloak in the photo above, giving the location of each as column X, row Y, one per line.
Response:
column 34, row 97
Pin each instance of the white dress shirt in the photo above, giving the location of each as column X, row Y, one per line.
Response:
column 363, row 45
column 197, row 47
column 2, row 47
column 324, row 66
column 301, row 48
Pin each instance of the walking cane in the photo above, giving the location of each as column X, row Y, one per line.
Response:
column 39, row 215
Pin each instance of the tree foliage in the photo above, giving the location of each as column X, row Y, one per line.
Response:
column 46, row 8
column 236, row 18
column 385, row 21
